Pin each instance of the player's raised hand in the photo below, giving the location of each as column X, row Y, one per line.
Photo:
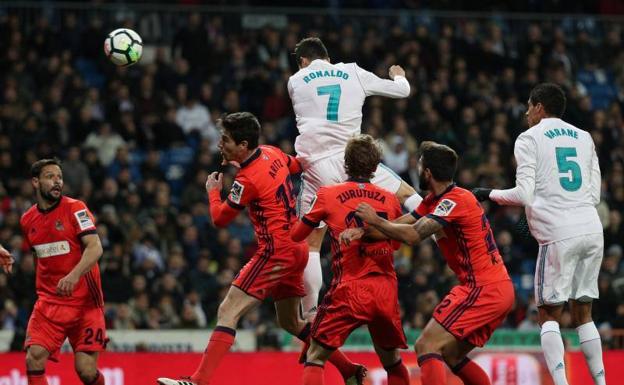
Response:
column 367, row 213
column 67, row 284
column 396, row 70
column 214, row 181
column 482, row 194
column 350, row 235
column 6, row 260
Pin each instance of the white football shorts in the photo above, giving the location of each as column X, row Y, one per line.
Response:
column 329, row 171
column 568, row 269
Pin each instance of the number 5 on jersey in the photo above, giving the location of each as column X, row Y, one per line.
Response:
column 573, row 178
column 334, row 100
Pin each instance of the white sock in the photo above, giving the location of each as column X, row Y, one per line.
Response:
column 412, row 202
column 552, row 345
column 592, row 349
column 312, row 280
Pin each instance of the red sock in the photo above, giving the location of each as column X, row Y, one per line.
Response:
column 36, row 377
column 221, row 340
column 338, row 359
column 397, row 374
column 432, row 369
column 312, row 374
column 343, row 364
column 471, row 373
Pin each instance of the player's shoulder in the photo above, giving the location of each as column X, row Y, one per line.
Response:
column 70, row 203
column 29, row 215
column 457, row 196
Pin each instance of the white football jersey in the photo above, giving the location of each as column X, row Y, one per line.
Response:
column 557, row 180
column 328, row 99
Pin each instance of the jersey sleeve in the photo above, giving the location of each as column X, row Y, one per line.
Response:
column 25, row 232
column 82, row 220
column 595, row 179
column 525, row 151
column 448, row 210
column 242, row 192
column 374, row 85
column 317, row 211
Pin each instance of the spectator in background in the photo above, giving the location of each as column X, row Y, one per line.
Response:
column 106, row 142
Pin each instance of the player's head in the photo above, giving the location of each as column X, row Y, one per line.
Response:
column 309, row 49
column 546, row 100
column 437, row 163
column 47, row 179
column 240, row 132
column 362, row 155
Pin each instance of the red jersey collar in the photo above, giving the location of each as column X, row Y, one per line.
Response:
column 253, row 157
column 49, row 209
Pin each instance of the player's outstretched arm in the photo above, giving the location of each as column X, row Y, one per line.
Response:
column 6, row 260
column 406, row 233
column 371, row 233
column 91, row 254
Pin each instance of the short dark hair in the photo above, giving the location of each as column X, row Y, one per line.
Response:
column 551, row 96
column 362, row 155
column 241, row 126
column 37, row 167
column 310, row 48
column 441, row 160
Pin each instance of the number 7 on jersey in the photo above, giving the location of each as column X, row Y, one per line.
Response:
column 334, row 100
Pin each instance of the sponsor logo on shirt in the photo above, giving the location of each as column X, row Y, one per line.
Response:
column 444, row 208
column 52, row 249
column 84, row 221
column 237, row 192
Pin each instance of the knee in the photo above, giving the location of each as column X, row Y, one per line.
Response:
column 36, row 358
column 423, row 346
column 225, row 316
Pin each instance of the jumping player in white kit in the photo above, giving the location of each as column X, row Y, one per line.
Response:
column 558, row 182
column 327, row 99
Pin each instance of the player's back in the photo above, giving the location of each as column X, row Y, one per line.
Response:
column 360, row 258
column 567, row 182
column 272, row 206
column 327, row 99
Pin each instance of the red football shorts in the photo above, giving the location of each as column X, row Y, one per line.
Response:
column 277, row 275
column 371, row 301
column 472, row 314
column 50, row 324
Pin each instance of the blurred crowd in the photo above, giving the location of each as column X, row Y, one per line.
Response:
column 138, row 143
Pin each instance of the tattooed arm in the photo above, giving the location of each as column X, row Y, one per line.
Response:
column 406, row 233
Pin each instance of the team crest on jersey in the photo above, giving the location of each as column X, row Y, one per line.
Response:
column 237, row 192
column 84, row 221
column 59, row 225
column 444, row 208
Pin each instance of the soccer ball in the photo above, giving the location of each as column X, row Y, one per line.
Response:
column 123, row 47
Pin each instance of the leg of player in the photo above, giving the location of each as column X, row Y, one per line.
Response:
column 436, row 346
column 315, row 364
column 455, row 356
column 36, row 358
column 408, row 196
column 393, row 364
column 589, row 338
column 85, row 364
column 552, row 344
column 235, row 304
column 313, row 275
column 288, row 318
